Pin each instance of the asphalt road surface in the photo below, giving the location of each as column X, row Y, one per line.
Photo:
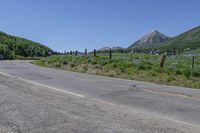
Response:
column 34, row 99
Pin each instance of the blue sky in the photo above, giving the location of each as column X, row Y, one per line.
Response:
column 79, row 24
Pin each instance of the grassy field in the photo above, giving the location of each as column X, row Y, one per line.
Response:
column 177, row 69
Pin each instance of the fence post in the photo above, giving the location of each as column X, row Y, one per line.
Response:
column 131, row 55
column 85, row 52
column 192, row 62
column 162, row 60
column 122, row 51
column 110, row 54
column 95, row 53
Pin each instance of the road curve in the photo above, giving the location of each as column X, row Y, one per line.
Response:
column 37, row 99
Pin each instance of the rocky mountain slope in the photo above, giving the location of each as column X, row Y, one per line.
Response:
column 152, row 39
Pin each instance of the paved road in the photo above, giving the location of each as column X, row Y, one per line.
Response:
column 36, row 99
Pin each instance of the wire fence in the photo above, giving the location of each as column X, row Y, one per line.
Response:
column 173, row 62
column 170, row 61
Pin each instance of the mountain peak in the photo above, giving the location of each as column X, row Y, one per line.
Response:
column 155, row 31
column 151, row 39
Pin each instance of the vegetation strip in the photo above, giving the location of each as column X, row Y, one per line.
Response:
column 177, row 69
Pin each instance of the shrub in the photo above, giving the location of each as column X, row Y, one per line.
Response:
column 72, row 65
column 64, row 62
column 140, row 67
column 114, row 65
column 94, row 62
column 178, row 72
column 152, row 73
column 196, row 73
column 103, row 62
column 187, row 73
column 89, row 60
column 57, row 65
column 144, row 65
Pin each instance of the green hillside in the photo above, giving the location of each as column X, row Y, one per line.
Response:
column 12, row 46
column 189, row 39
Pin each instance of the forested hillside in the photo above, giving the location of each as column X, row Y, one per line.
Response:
column 12, row 46
column 189, row 39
